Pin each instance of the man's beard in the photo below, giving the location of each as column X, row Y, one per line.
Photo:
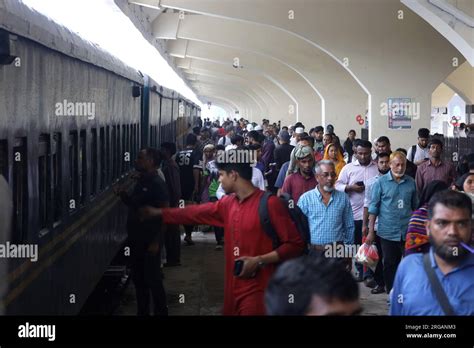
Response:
column 449, row 253
column 397, row 175
column 383, row 172
column 328, row 188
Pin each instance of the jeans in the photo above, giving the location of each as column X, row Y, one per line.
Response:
column 218, row 231
column 358, row 241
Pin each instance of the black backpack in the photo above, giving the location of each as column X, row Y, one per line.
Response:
column 298, row 217
column 413, row 153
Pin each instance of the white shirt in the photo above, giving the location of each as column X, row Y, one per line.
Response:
column 226, row 141
column 257, row 180
column 349, row 175
column 293, row 141
column 420, row 153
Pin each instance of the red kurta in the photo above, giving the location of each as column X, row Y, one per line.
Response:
column 244, row 236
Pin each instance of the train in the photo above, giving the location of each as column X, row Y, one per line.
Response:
column 72, row 120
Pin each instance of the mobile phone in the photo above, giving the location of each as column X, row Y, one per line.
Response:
column 360, row 183
column 238, row 266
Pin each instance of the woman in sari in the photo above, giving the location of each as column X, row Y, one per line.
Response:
column 333, row 154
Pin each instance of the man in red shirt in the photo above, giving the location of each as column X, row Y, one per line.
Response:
column 303, row 180
column 244, row 238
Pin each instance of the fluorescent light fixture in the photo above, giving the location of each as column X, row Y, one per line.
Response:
column 103, row 23
column 154, row 4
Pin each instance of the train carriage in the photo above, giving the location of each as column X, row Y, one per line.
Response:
column 72, row 119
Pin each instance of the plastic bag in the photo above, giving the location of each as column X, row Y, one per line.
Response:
column 368, row 255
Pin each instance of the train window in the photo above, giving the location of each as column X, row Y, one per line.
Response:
column 138, row 143
column 57, row 177
column 44, row 182
column 103, row 159
column 83, row 166
column 114, row 157
column 73, row 170
column 94, row 163
column 118, row 154
column 107, row 155
column 124, row 148
column 4, row 159
column 151, row 136
column 128, row 148
column 20, row 189
column 134, row 143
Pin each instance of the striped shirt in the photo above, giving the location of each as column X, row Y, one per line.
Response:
column 427, row 172
column 331, row 223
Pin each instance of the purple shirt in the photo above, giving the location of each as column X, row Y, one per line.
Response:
column 296, row 184
column 427, row 172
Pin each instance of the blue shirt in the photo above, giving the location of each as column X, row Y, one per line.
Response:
column 281, row 175
column 412, row 293
column 393, row 202
column 331, row 223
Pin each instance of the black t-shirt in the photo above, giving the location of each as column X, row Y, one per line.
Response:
column 152, row 191
column 282, row 154
column 187, row 160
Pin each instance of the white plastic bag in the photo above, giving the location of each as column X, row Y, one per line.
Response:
column 368, row 255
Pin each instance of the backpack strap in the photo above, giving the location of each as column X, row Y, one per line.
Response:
column 413, row 152
column 436, row 286
column 265, row 219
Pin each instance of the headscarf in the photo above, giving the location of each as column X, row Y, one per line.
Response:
column 205, row 160
column 339, row 157
column 460, row 181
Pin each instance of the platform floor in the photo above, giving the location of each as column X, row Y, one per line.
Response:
column 197, row 286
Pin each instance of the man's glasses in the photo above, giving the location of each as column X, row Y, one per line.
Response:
column 325, row 175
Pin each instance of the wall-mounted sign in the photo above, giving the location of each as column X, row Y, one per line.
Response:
column 399, row 113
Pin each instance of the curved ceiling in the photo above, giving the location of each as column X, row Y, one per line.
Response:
column 320, row 61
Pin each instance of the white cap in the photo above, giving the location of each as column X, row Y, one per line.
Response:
column 249, row 128
column 258, row 127
column 230, row 147
column 299, row 130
